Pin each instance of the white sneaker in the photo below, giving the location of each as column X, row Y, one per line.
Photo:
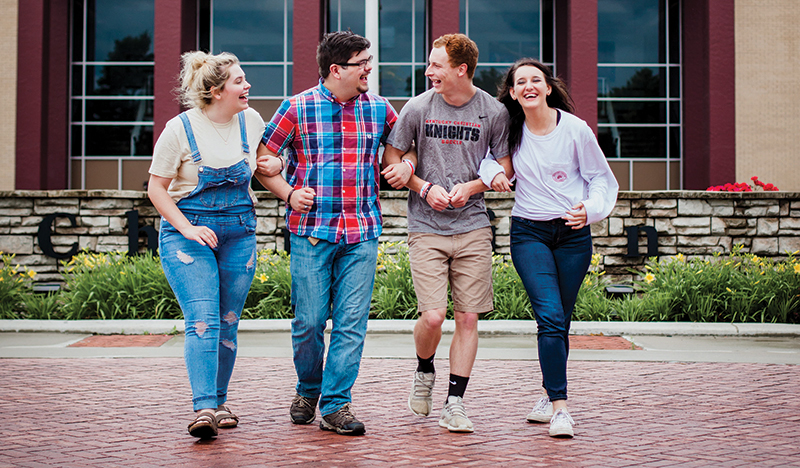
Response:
column 542, row 411
column 561, row 424
column 454, row 416
column 420, row 400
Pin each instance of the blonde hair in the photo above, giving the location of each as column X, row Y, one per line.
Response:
column 200, row 72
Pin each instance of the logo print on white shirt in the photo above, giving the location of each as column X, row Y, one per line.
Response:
column 559, row 176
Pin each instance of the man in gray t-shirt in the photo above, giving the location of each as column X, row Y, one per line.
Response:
column 452, row 126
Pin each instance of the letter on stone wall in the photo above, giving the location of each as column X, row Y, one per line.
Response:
column 46, row 231
column 633, row 240
column 134, row 232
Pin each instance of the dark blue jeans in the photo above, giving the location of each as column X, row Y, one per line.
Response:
column 551, row 259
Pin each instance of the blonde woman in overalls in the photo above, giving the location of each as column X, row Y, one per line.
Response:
column 200, row 184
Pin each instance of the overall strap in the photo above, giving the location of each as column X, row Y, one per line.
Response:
column 190, row 135
column 243, row 130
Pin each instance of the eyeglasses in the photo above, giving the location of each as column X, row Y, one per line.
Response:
column 360, row 64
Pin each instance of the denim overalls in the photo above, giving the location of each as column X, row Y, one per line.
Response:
column 211, row 285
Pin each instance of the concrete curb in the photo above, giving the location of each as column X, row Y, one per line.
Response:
column 485, row 327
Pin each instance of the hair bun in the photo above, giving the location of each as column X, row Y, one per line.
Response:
column 200, row 72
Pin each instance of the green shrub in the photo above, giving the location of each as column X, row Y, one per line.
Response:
column 734, row 288
column 510, row 299
column 741, row 287
column 117, row 286
column 14, row 287
column 393, row 295
column 43, row 306
column 270, row 295
column 592, row 304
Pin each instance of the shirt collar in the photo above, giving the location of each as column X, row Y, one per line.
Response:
column 329, row 95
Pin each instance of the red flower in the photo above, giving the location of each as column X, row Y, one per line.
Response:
column 743, row 187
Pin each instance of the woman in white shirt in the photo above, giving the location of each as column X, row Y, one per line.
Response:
column 563, row 184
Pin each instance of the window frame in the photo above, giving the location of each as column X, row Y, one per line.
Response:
column 669, row 124
column 82, row 123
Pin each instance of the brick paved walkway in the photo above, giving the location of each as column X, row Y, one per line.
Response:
column 133, row 412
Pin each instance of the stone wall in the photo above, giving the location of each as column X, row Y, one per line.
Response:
column 691, row 223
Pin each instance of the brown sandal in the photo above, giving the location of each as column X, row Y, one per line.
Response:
column 204, row 425
column 224, row 414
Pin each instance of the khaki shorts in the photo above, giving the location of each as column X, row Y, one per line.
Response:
column 465, row 260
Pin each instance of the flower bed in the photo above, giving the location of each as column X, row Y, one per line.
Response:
column 738, row 287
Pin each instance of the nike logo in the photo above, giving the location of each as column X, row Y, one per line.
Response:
column 452, row 383
column 482, row 116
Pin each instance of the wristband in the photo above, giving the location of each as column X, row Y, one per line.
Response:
column 282, row 163
column 410, row 164
column 425, row 189
column 289, row 198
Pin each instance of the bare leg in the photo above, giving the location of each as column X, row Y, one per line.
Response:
column 428, row 332
column 559, row 404
column 464, row 346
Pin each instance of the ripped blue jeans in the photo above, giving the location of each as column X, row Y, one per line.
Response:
column 211, row 286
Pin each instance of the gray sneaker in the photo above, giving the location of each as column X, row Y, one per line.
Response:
column 454, row 416
column 303, row 410
column 561, row 424
column 343, row 422
column 542, row 411
column 420, row 400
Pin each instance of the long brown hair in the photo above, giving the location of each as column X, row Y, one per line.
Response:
column 558, row 98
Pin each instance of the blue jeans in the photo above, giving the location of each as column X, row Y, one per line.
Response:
column 551, row 259
column 330, row 281
column 211, row 286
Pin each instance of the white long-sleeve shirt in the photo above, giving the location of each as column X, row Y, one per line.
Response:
column 556, row 171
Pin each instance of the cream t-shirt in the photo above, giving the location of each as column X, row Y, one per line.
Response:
column 220, row 145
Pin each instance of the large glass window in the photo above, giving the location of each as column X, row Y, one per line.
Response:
column 112, row 92
column 259, row 33
column 397, row 33
column 639, row 89
column 506, row 31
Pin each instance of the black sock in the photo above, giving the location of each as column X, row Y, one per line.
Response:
column 458, row 385
column 425, row 364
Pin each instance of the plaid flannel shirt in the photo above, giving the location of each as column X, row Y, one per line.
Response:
column 332, row 148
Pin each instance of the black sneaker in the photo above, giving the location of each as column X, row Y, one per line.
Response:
column 303, row 410
column 343, row 422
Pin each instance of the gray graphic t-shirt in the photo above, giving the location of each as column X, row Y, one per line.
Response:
column 451, row 142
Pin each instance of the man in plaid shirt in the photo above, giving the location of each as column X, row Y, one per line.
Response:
column 331, row 133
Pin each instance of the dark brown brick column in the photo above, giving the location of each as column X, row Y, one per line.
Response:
column 576, row 54
column 175, row 32
column 444, row 19
column 709, row 88
column 307, row 28
column 42, row 95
